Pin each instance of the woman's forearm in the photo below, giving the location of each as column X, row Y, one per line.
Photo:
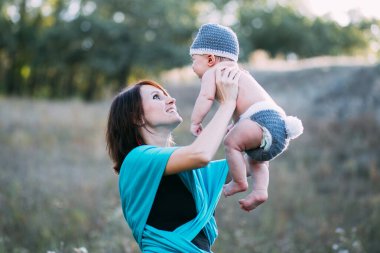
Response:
column 202, row 150
column 212, row 135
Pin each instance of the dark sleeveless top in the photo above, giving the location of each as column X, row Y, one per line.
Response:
column 173, row 206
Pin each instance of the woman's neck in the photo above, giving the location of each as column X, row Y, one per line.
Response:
column 160, row 139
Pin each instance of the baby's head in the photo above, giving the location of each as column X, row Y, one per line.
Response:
column 214, row 43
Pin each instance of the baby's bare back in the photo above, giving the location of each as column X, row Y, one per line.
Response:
column 250, row 92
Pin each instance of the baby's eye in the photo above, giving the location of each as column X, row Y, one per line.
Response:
column 156, row 96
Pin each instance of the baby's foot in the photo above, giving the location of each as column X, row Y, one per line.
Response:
column 234, row 187
column 253, row 200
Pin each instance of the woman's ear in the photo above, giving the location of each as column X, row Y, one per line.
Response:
column 139, row 122
column 211, row 60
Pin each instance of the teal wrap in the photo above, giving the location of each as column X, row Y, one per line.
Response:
column 139, row 178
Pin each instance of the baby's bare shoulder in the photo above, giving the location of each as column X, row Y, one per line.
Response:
column 246, row 79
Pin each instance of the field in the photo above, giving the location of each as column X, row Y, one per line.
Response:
column 59, row 194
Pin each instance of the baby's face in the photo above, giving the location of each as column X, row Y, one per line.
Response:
column 200, row 64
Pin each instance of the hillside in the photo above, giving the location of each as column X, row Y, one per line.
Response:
column 58, row 191
column 329, row 88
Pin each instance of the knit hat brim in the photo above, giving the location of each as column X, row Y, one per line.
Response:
column 217, row 40
column 214, row 52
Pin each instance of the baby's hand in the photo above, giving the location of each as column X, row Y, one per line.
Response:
column 196, row 129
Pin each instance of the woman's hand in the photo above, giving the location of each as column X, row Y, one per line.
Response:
column 227, row 79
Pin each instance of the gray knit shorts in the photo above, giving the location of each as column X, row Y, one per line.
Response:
column 273, row 125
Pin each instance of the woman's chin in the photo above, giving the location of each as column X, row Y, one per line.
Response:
column 180, row 120
column 177, row 122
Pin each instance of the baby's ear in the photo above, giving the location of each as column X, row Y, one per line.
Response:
column 211, row 60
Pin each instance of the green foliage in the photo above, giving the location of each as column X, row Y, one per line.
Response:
column 80, row 55
column 282, row 30
column 103, row 45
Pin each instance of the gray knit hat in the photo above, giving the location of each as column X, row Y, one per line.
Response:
column 217, row 40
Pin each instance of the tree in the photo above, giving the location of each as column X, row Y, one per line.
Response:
column 282, row 30
column 78, row 54
column 81, row 48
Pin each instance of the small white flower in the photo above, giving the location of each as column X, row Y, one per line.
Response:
column 356, row 244
column 335, row 246
column 339, row 231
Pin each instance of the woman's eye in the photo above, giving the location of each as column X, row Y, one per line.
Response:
column 156, row 96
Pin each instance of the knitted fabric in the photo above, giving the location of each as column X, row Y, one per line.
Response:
column 217, row 40
column 272, row 121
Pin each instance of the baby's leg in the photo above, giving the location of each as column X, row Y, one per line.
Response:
column 260, row 178
column 243, row 136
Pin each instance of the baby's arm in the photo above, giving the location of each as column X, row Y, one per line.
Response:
column 204, row 101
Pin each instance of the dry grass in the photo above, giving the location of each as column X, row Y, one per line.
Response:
column 58, row 191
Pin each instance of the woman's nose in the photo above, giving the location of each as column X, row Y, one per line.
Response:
column 171, row 100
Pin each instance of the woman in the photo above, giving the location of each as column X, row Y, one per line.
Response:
column 168, row 194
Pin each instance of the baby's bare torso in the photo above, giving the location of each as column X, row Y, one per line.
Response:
column 250, row 92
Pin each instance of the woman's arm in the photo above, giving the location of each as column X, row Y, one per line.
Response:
column 202, row 150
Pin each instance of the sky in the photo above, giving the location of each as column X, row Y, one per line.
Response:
column 338, row 8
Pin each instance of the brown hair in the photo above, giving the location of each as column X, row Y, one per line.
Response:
column 125, row 117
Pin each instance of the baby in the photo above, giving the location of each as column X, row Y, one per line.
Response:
column 261, row 128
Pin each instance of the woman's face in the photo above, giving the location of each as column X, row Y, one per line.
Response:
column 159, row 109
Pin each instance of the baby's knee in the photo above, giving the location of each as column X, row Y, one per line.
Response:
column 231, row 144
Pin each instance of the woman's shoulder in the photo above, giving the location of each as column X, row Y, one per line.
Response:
column 148, row 150
column 147, row 154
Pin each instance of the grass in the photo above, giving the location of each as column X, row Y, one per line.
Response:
column 58, row 192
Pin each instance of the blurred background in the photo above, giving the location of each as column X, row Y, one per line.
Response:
column 62, row 61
